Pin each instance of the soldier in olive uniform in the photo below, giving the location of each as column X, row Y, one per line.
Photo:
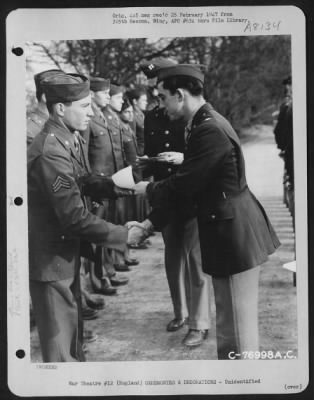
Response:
column 37, row 118
column 138, row 99
column 58, row 179
column 189, row 286
column 235, row 233
column 102, row 158
column 117, row 208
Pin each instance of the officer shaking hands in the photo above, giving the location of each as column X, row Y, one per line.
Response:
column 235, row 233
column 58, row 178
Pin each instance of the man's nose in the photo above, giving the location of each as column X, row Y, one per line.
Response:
column 90, row 112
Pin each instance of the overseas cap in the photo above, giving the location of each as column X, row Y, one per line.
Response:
column 151, row 68
column 63, row 88
column 98, row 84
column 38, row 78
column 115, row 89
column 191, row 70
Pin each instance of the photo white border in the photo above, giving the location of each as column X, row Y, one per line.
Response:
column 36, row 379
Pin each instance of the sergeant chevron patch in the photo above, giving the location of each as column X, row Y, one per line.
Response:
column 59, row 183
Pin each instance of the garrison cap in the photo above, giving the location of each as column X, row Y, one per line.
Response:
column 151, row 68
column 115, row 88
column 38, row 78
column 190, row 70
column 63, row 88
column 98, row 84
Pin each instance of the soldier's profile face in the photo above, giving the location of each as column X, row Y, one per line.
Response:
column 78, row 114
column 171, row 102
column 102, row 98
column 116, row 101
column 127, row 114
column 142, row 102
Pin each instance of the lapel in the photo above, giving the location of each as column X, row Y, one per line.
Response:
column 65, row 137
column 99, row 117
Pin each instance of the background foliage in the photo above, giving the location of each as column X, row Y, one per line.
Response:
column 243, row 73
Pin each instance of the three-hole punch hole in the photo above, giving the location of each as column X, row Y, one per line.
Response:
column 20, row 353
column 18, row 201
column 18, row 51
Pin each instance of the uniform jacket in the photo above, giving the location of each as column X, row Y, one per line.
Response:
column 162, row 134
column 129, row 143
column 58, row 179
column 115, row 129
column 104, row 151
column 235, row 233
column 35, row 123
column 138, row 127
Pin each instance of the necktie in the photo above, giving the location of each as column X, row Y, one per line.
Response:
column 187, row 133
column 76, row 143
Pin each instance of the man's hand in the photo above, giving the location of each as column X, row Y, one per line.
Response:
column 138, row 231
column 172, row 157
column 140, row 187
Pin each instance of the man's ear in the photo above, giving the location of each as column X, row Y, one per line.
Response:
column 60, row 108
column 180, row 94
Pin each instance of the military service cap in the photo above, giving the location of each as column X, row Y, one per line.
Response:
column 115, row 89
column 38, row 78
column 63, row 88
column 151, row 68
column 190, row 70
column 98, row 84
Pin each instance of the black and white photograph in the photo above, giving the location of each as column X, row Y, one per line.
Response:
column 157, row 224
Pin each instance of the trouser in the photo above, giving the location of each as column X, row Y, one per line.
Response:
column 236, row 299
column 57, row 312
column 188, row 284
column 103, row 266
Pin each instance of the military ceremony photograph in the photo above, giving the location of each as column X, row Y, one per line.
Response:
column 158, row 201
column 190, row 263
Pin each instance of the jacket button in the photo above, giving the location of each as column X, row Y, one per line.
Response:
column 213, row 216
column 62, row 237
column 101, row 133
column 152, row 133
column 167, row 144
column 169, row 169
column 102, row 174
column 167, row 132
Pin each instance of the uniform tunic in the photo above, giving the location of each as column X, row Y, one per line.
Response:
column 137, row 206
column 118, row 208
column 138, row 127
column 235, row 233
column 58, row 178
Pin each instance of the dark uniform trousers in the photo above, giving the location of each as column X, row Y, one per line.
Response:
column 58, row 181
column 235, row 233
column 188, row 285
